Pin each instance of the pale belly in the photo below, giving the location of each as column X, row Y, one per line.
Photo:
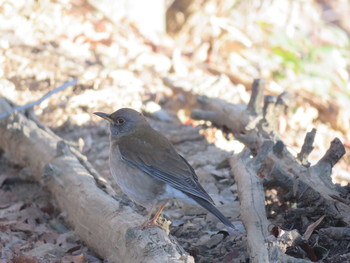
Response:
column 137, row 185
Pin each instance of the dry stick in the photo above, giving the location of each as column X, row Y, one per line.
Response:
column 102, row 222
column 252, row 203
column 239, row 119
column 307, row 147
column 321, row 172
column 252, row 208
column 221, row 113
column 31, row 104
column 254, row 105
column 333, row 154
column 235, row 117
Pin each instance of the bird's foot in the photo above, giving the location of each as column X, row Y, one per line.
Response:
column 148, row 224
column 162, row 223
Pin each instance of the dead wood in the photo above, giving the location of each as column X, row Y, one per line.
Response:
column 254, row 125
column 261, row 247
column 102, row 222
column 252, row 204
column 307, row 147
column 311, row 185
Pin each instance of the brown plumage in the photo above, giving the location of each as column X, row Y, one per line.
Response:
column 147, row 167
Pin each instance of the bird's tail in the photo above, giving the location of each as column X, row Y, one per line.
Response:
column 212, row 209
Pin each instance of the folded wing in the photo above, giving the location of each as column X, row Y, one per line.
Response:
column 161, row 161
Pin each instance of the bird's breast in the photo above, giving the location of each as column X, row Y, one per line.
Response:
column 136, row 184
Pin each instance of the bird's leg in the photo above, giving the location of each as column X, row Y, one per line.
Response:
column 153, row 221
column 157, row 214
column 145, row 223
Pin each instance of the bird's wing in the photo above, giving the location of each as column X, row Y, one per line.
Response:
column 157, row 157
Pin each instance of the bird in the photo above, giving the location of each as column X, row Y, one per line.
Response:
column 149, row 170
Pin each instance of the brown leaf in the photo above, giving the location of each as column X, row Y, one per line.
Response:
column 309, row 251
column 312, row 227
column 275, row 231
column 74, row 259
column 24, row 259
column 49, row 209
column 73, row 249
column 261, row 175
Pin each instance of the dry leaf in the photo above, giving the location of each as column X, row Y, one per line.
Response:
column 74, row 259
column 24, row 259
column 312, row 227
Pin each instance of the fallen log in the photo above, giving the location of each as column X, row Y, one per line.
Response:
column 101, row 221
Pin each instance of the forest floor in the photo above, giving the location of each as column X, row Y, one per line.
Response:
column 117, row 66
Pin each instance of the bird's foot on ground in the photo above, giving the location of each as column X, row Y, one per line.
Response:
column 162, row 223
column 148, row 224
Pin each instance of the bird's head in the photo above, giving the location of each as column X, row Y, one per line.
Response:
column 123, row 122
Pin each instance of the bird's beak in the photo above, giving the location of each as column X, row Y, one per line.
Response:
column 104, row 116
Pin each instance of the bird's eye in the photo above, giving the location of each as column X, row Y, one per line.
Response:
column 120, row 121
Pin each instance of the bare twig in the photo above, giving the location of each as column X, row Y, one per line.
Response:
column 31, row 104
column 333, row 154
column 307, row 147
column 254, row 105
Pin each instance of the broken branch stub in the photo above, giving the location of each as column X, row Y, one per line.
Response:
column 256, row 99
column 307, row 147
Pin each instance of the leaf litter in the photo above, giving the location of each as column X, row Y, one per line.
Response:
column 117, row 66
